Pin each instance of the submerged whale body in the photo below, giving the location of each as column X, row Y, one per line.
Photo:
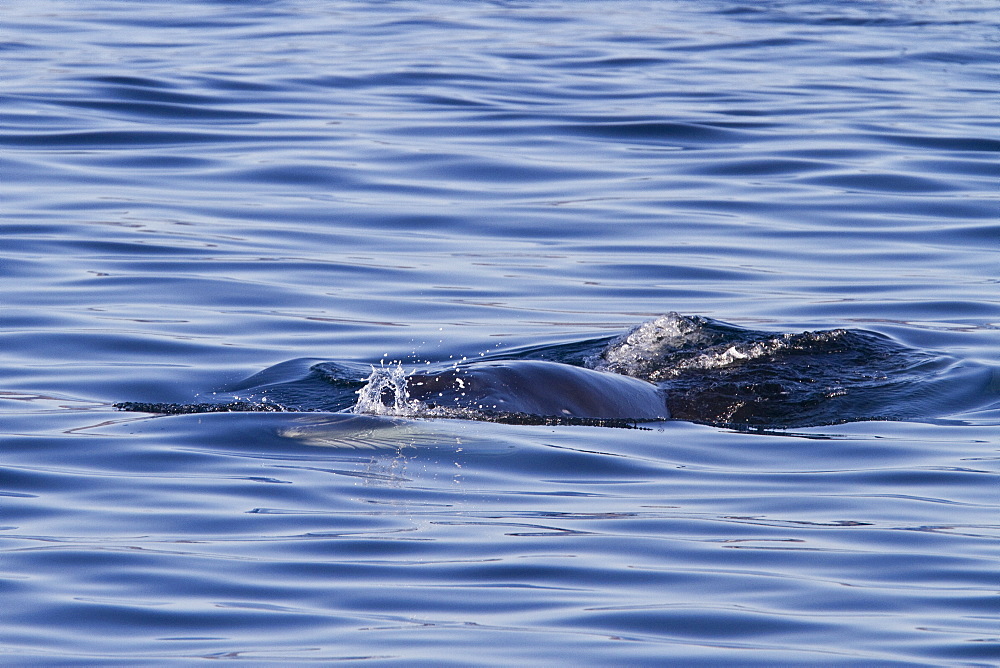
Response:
column 527, row 387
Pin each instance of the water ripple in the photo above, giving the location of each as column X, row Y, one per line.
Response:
column 191, row 193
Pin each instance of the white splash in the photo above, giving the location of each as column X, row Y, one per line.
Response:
column 385, row 380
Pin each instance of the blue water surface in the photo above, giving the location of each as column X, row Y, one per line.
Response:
column 193, row 192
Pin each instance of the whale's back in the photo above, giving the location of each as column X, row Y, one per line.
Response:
column 539, row 388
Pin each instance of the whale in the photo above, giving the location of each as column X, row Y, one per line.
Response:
column 526, row 387
column 676, row 367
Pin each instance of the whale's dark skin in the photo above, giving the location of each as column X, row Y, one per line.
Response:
column 682, row 367
column 537, row 388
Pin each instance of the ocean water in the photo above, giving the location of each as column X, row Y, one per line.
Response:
column 205, row 203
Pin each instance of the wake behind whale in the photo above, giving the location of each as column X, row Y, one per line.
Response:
column 680, row 367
